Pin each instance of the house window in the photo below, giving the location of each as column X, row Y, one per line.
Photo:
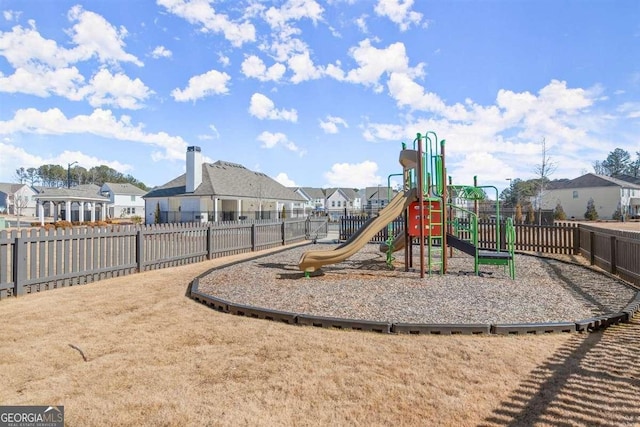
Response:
column 575, row 194
column 133, row 198
column 133, row 211
column 333, row 203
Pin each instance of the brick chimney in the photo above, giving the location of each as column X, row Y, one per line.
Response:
column 194, row 168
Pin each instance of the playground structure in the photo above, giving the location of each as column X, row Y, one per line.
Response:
column 431, row 218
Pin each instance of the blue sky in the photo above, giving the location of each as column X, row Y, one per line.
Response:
column 318, row 93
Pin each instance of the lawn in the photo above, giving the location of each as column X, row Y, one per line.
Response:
column 155, row 357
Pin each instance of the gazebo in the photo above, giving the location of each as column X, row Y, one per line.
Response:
column 86, row 197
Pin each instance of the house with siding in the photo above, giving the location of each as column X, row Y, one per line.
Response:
column 17, row 197
column 220, row 191
column 610, row 196
column 314, row 200
column 125, row 199
column 375, row 198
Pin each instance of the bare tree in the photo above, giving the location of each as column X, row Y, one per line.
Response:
column 544, row 170
column 19, row 203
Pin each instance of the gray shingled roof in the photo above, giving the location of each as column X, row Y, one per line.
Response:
column 126, row 189
column 85, row 191
column 313, row 192
column 593, row 180
column 228, row 179
column 9, row 188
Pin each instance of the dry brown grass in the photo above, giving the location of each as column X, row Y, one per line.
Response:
column 155, row 357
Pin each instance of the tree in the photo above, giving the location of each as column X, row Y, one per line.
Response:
column 519, row 217
column 531, row 214
column 21, row 175
column 634, row 167
column 591, row 214
column 598, row 168
column 558, row 213
column 19, row 203
column 156, row 214
column 617, row 162
column 544, row 170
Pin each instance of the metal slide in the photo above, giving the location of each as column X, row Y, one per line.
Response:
column 313, row 260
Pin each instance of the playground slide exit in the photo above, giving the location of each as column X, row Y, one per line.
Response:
column 312, row 260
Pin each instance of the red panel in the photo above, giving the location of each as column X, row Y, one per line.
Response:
column 432, row 218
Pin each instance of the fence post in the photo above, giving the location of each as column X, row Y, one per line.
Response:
column 253, row 237
column 19, row 266
column 140, row 250
column 283, row 231
column 614, row 268
column 209, row 242
column 592, row 247
column 576, row 240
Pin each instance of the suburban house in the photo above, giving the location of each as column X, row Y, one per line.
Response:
column 375, row 198
column 220, row 191
column 313, row 200
column 17, row 199
column 611, row 196
column 125, row 200
column 342, row 202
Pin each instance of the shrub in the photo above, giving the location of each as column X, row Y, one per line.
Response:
column 617, row 215
column 137, row 219
column 591, row 214
column 558, row 213
column 63, row 224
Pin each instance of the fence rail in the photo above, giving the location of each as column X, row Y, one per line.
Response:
column 36, row 259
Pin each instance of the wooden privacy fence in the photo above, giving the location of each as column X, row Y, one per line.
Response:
column 617, row 252
column 36, row 259
column 557, row 239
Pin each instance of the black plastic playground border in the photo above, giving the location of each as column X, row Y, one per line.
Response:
column 585, row 325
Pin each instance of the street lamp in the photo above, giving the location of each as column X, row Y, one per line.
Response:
column 69, row 173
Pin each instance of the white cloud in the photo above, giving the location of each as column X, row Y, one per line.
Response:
column 94, row 36
column 293, row 10
column 14, row 157
column 303, row 68
column 331, row 124
column 202, row 13
column 223, row 60
column 374, row 63
column 278, row 139
column 116, row 90
column 252, row 66
column 283, row 179
column 161, row 52
column 263, row 108
column 65, row 82
column 11, row 15
column 353, row 175
column 406, row 92
column 399, row 12
column 210, row 83
column 101, row 123
column 361, row 22
column 210, row 136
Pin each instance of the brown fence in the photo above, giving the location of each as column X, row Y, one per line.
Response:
column 557, row 239
column 617, row 252
column 36, row 259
